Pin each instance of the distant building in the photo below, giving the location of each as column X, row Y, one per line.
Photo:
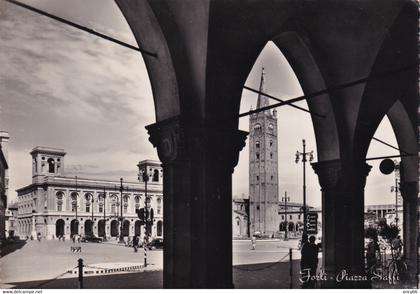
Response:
column 12, row 220
column 263, row 168
column 57, row 205
column 240, row 218
column 387, row 211
column 4, row 182
column 289, row 217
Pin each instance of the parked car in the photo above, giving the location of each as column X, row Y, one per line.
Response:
column 156, row 243
column 91, row 238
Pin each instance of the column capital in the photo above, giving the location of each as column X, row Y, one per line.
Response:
column 331, row 172
column 176, row 140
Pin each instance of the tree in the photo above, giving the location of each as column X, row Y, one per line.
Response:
column 389, row 232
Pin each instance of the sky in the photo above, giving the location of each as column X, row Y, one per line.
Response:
column 64, row 88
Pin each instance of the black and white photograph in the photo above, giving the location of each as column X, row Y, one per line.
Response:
column 209, row 144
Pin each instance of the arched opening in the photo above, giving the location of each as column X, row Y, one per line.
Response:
column 59, row 228
column 137, row 228
column 155, row 175
column 283, row 226
column 51, row 165
column 114, row 228
column 88, row 227
column 101, row 228
column 291, row 226
column 126, row 228
column 74, row 227
column 159, row 228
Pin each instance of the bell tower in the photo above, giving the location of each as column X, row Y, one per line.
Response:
column 47, row 161
column 263, row 167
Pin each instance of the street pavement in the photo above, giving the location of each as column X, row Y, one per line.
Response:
column 46, row 264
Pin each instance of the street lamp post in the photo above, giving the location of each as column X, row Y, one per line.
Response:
column 121, row 213
column 396, row 189
column 145, row 180
column 104, row 208
column 304, row 160
column 285, row 199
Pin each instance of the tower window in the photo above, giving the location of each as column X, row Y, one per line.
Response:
column 257, row 128
column 257, row 155
column 51, row 168
column 257, row 144
column 272, row 177
column 271, row 143
column 155, row 175
column 258, row 178
column 271, row 155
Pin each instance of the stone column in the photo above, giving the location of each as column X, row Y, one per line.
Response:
column 409, row 192
column 342, row 189
column 198, row 162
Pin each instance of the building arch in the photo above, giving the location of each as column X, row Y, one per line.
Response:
column 159, row 228
column 126, row 228
column 74, row 227
column 59, row 227
column 137, row 228
column 291, row 226
column 114, row 228
column 88, row 227
column 102, row 228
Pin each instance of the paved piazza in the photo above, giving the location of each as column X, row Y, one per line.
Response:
column 37, row 261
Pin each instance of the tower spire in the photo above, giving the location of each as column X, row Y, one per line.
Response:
column 262, row 100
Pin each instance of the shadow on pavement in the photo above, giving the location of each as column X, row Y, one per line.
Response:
column 11, row 247
column 144, row 280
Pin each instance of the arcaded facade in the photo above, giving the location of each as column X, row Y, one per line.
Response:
column 56, row 205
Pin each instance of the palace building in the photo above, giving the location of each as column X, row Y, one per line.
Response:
column 57, row 205
column 4, row 183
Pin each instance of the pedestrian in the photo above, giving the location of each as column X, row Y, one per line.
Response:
column 38, row 236
column 253, row 242
column 64, row 238
column 309, row 262
column 396, row 246
column 371, row 259
column 135, row 242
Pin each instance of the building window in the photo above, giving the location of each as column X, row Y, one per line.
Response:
column 101, row 208
column 299, row 216
column 290, row 217
column 257, row 144
column 113, row 208
column 282, row 217
column 258, row 178
column 257, row 155
column 271, row 143
column 74, row 205
column 257, row 128
column 125, row 208
column 51, row 163
column 272, row 177
column 159, row 205
column 155, row 176
column 87, row 207
column 60, row 196
column 271, row 155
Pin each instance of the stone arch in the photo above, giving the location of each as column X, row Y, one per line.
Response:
column 114, row 228
column 59, row 227
column 307, row 71
column 74, row 227
column 159, row 228
column 126, row 228
column 291, row 226
column 102, row 228
column 161, row 69
column 137, row 228
column 88, row 227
